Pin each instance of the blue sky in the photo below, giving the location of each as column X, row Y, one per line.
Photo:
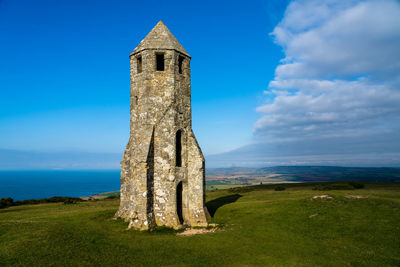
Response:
column 269, row 77
column 65, row 71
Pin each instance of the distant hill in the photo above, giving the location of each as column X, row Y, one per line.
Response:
column 279, row 174
column 329, row 173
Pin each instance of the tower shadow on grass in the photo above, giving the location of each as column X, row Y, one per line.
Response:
column 215, row 204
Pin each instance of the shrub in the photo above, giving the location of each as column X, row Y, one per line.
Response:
column 356, row 185
column 61, row 199
column 113, row 197
column 243, row 189
column 279, row 188
column 319, row 187
column 6, row 202
column 27, row 202
column 70, row 201
column 66, row 200
column 339, row 186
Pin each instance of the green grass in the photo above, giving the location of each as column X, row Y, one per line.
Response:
column 261, row 227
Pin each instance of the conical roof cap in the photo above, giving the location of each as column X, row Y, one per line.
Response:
column 160, row 38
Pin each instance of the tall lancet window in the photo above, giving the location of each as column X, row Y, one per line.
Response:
column 180, row 64
column 178, row 148
column 139, row 64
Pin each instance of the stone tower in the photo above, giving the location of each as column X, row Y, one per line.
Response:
column 162, row 170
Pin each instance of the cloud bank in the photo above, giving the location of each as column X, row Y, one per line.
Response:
column 335, row 97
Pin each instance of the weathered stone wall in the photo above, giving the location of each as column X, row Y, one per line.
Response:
column 160, row 106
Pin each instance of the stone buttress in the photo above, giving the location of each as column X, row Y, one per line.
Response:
column 162, row 170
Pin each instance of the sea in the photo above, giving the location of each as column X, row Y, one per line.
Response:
column 21, row 185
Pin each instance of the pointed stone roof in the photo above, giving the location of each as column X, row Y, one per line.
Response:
column 160, row 38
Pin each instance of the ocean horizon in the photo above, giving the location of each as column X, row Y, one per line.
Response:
column 37, row 184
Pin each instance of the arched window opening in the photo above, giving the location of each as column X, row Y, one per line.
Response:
column 178, row 148
column 179, row 190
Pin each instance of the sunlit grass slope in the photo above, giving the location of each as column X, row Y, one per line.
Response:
column 261, row 227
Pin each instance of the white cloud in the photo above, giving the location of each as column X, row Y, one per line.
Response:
column 343, row 41
column 340, row 78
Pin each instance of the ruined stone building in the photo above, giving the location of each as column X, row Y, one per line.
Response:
column 162, row 170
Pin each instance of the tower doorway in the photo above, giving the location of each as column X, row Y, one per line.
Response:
column 179, row 190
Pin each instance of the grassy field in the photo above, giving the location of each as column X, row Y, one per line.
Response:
column 260, row 227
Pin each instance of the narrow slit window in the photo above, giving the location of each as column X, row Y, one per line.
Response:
column 139, row 64
column 180, row 64
column 160, row 62
column 178, row 148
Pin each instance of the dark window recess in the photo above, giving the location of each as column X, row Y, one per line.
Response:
column 179, row 190
column 178, row 148
column 180, row 64
column 160, row 62
column 139, row 64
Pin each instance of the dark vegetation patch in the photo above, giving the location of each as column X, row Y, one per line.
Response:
column 279, row 188
column 243, row 189
column 8, row 202
column 356, row 185
column 71, row 200
column 113, row 197
column 339, row 186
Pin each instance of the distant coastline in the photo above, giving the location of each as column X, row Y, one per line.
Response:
column 22, row 185
column 100, row 195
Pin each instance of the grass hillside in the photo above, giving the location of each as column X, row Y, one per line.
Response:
column 260, row 226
